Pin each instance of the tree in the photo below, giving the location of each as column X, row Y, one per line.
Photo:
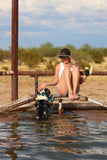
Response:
column 86, row 47
column 70, row 47
column 47, row 50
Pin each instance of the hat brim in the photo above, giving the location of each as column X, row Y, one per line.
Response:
column 63, row 56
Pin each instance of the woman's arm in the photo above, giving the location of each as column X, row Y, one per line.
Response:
column 52, row 83
column 82, row 79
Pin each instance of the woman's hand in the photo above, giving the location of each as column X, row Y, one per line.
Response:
column 41, row 86
column 82, row 79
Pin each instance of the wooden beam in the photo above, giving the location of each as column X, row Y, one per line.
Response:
column 46, row 73
column 16, row 103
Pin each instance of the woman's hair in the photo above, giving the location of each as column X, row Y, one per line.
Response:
column 73, row 62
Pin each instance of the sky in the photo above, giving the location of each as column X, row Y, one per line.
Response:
column 59, row 22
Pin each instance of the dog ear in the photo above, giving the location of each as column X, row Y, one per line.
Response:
column 47, row 91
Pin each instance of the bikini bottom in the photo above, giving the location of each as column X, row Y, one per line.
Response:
column 60, row 94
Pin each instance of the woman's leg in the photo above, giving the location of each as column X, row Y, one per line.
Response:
column 65, row 84
column 76, row 81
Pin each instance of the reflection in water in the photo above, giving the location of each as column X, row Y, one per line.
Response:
column 11, row 142
column 14, row 139
column 77, row 134
column 66, row 132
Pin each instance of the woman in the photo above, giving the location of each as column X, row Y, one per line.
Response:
column 67, row 77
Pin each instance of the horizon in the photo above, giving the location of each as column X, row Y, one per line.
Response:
column 93, row 47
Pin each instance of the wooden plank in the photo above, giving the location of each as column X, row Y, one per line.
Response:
column 26, row 107
column 14, row 104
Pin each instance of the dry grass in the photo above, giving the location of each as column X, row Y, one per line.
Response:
column 100, row 67
column 42, row 65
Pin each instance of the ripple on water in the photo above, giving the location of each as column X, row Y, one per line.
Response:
column 66, row 136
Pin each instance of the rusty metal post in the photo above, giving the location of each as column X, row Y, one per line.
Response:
column 14, row 91
column 36, row 84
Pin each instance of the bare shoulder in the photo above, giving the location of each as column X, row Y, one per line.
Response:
column 57, row 67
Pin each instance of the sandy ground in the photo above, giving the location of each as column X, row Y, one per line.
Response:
column 95, row 87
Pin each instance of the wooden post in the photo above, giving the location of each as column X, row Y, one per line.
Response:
column 14, row 91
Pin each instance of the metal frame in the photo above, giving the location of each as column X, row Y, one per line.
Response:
column 14, row 93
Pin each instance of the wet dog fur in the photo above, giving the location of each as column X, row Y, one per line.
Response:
column 43, row 104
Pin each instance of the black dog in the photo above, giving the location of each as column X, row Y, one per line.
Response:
column 43, row 104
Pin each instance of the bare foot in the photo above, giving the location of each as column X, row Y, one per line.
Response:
column 76, row 96
column 71, row 97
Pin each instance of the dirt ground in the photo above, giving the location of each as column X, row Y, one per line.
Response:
column 95, row 87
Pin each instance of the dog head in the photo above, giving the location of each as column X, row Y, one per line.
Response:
column 45, row 91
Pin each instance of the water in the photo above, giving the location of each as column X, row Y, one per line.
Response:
column 77, row 135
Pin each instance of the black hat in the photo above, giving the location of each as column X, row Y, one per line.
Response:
column 64, row 53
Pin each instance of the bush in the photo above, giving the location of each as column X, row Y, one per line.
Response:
column 50, row 66
column 82, row 58
column 86, row 47
column 83, row 64
column 5, row 68
column 1, row 54
column 30, row 57
column 70, row 47
column 7, row 54
column 97, row 56
column 105, row 52
column 22, row 55
column 47, row 50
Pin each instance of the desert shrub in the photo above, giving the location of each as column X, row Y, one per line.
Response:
column 22, row 54
column 70, row 47
column 5, row 68
column 33, row 58
column 50, row 66
column 79, row 54
column 82, row 64
column 97, row 55
column 104, row 52
column 4, row 54
column 1, row 54
column 86, row 47
column 7, row 54
column 98, row 58
column 82, row 57
column 30, row 56
column 47, row 50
